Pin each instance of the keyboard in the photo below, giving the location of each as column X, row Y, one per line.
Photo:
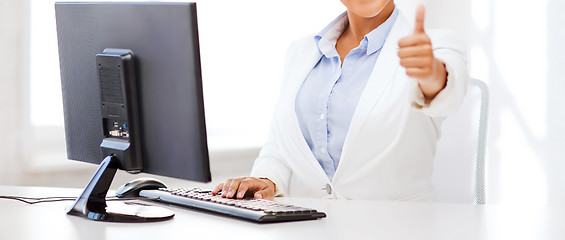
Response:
column 256, row 210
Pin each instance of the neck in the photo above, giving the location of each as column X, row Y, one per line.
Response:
column 360, row 26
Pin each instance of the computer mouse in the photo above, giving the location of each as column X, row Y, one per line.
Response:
column 132, row 188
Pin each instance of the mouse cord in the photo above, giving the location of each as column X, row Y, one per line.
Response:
column 31, row 200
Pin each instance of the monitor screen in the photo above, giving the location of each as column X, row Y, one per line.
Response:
column 163, row 39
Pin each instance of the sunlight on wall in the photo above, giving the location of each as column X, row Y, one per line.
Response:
column 519, row 49
column 508, row 49
column 522, row 179
column 243, row 46
column 480, row 12
column 408, row 8
column 520, row 54
column 479, row 64
column 45, row 87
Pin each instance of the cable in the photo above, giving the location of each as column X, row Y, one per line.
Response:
column 31, row 200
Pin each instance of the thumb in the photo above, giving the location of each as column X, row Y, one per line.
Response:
column 264, row 194
column 420, row 14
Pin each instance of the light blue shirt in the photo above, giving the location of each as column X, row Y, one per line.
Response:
column 328, row 97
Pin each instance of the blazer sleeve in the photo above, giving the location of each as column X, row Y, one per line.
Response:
column 270, row 164
column 449, row 49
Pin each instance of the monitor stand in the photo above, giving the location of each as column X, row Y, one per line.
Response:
column 92, row 202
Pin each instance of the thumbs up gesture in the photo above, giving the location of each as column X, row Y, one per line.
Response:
column 417, row 56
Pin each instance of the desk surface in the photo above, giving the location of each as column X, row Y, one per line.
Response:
column 346, row 220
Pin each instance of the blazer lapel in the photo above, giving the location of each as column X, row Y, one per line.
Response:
column 382, row 75
column 307, row 59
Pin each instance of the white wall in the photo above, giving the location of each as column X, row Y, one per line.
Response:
column 13, row 76
column 243, row 45
column 515, row 46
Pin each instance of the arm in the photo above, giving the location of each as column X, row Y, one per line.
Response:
column 417, row 56
column 271, row 172
column 268, row 177
column 440, row 72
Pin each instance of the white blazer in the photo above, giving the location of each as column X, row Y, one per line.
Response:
column 391, row 142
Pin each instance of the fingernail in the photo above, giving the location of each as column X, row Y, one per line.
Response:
column 258, row 195
column 240, row 195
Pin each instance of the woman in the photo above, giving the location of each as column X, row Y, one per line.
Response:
column 360, row 110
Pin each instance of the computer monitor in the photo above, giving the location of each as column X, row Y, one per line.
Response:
column 132, row 95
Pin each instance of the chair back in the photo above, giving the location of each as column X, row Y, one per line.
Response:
column 459, row 164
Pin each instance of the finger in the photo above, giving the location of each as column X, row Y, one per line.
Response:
column 233, row 187
column 217, row 189
column 419, row 72
column 243, row 188
column 418, row 62
column 419, row 24
column 226, row 187
column 266, row 193
column 415, row 51
column 414, row 40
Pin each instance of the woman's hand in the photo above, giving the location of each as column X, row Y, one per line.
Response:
column 417, row 56
column 246, row 186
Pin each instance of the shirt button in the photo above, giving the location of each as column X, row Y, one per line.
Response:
column 328, row 188
column 323, row 150
column 322, row 116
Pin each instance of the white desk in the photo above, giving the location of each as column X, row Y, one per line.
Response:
column 346, row 220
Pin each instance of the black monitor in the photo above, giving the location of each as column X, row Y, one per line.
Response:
column 132, row 95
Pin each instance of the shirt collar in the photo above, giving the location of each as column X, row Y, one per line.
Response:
column 373, row 41
column 327, row 38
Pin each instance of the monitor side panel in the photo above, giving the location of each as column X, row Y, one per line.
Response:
column 164, row 40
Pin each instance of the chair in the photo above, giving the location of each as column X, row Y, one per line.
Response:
column 459, row 164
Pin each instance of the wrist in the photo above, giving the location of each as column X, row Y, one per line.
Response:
column 270, row 183
column 432, row 86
